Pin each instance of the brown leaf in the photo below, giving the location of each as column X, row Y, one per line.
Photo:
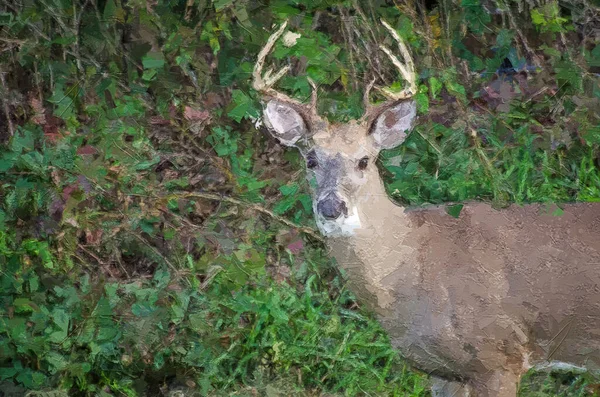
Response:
column 39, row 116
column 67, row 191
column 93, row 237
column 194, row 114
column 296, row 247
column 51, row 128
column 87, row 149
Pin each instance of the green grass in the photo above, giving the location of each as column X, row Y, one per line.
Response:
column 121, row 274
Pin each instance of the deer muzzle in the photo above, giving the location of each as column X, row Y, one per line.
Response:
column 332, row 206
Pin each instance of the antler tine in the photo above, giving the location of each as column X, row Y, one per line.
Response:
column 264, row 84
column 367, row 93
column 407, row 69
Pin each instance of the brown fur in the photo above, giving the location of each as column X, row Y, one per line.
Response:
column 482, row 297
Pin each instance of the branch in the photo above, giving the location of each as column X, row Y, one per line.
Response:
column 255, row 207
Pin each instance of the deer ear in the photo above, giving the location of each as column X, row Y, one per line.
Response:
column 284, row 122
column 393, row 125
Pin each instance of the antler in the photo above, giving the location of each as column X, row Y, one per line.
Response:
column 406, row 69
column 264, row 84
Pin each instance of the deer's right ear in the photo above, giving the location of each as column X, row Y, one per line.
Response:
column 284, row 122
column 392, row 126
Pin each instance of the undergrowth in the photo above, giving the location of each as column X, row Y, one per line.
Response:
column 154, row 242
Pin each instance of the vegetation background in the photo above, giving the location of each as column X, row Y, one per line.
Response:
column 154, row 242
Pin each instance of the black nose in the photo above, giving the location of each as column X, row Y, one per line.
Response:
column 331, row 207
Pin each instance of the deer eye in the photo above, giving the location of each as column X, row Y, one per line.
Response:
column 311, row 160
column 362, row 163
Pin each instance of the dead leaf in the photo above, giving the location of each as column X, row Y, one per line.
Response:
column 39, row 116
column 93, row 237
column 296, row 247
column 195, row 115
column 67, row 191
column 86, row 150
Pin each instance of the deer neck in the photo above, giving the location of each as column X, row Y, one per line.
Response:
column 381, row 254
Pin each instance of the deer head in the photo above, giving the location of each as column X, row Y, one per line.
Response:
column 340, row 158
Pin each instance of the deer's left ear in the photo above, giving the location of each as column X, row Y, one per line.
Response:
column 393, row 125
column 284, row 122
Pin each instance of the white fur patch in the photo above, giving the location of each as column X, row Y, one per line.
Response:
column 343, row 226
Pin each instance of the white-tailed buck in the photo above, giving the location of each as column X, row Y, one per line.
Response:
column 475, row 300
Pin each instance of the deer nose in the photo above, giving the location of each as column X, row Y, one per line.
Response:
column 331, row 207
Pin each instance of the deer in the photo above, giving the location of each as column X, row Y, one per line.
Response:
column 474, row 301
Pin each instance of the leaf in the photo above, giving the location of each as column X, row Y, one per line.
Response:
column 435, row 86
column 222, row 142
column 192, row 114
column 110, row 9
column 7, row 161
column 7, row 372
column 56, row 361
column 143, row 309
column 61, row 98
column 23, row 140
column 538, row 18
column 289, row 189
column 244, row 106
column 24, row 305
column 558, row 212
column 422, row 102
column 6, row 18
column 285, row 205
column 454, row 210
column 61, row 320
column 220, row 4
column 145, row 165
column 153, row 60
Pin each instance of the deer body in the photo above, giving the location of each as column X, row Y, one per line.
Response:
column 476, row 299
column 483, row 297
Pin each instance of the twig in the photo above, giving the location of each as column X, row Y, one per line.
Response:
column 255, row 207
column 11, row 128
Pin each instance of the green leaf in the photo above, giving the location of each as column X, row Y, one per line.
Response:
column 538, row 18
column 244, row 106
column 454, row 210
column 289, row 189
column 153, row 60
column 7, row 372
column 56, row 361
column 7, row 161
column 436, row 86
column 222, row 141
column 145, row 165
column 422, row 102
column 6, row 18
column 220, row 4
column 24, row 305
column 23, row 140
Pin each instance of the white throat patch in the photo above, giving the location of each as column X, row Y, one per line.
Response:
column 343, row 226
